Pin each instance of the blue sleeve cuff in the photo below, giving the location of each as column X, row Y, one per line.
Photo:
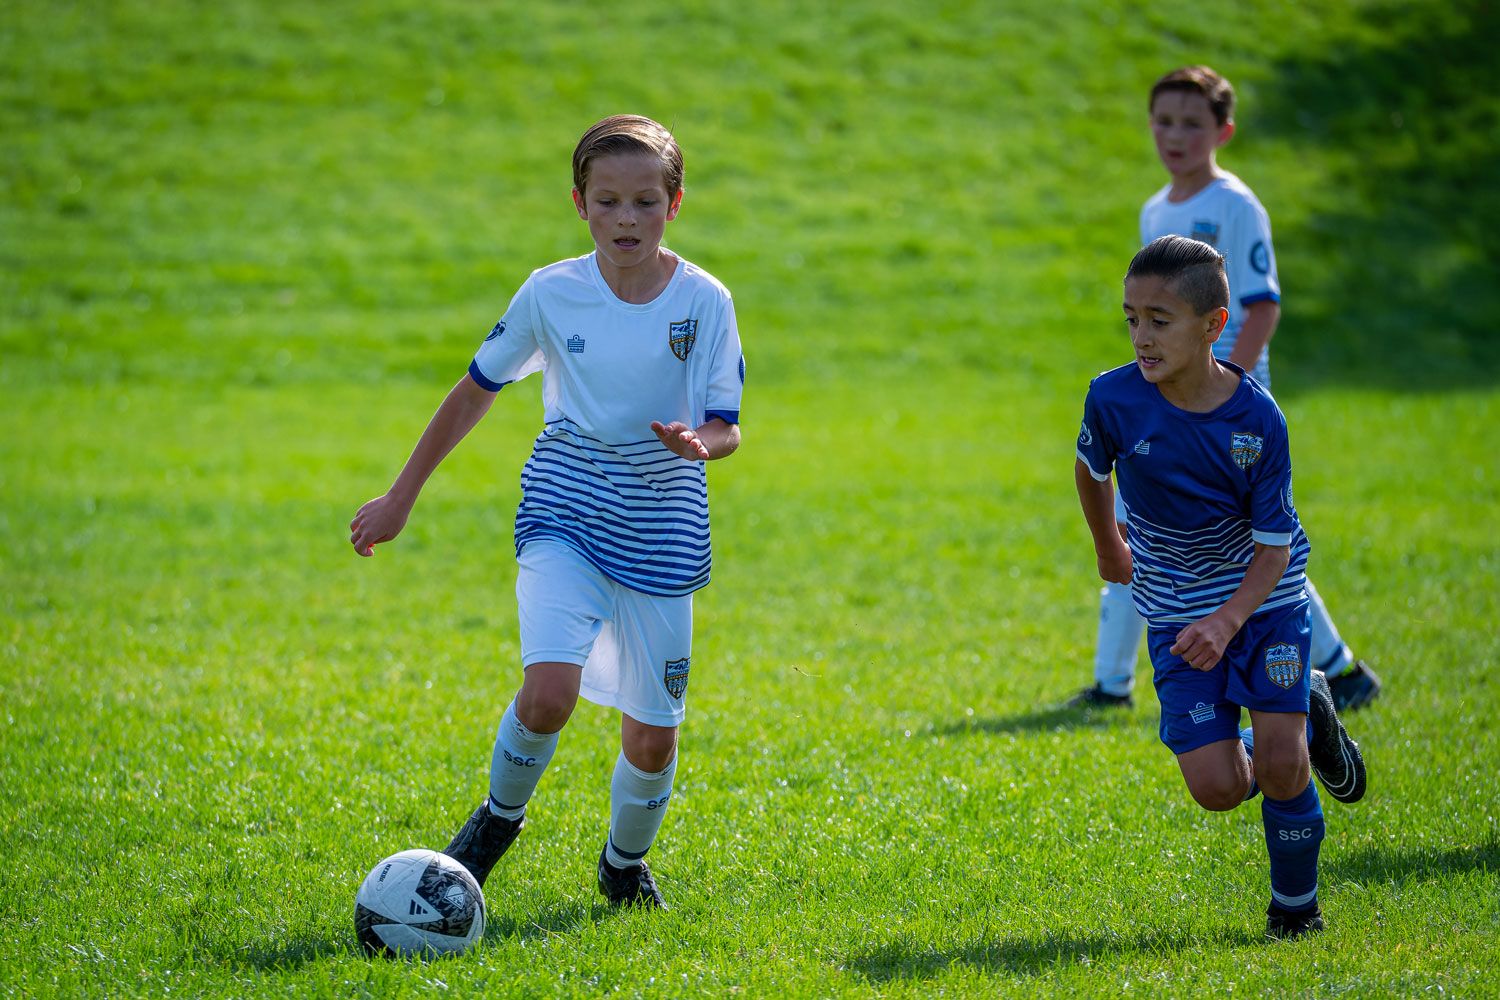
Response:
column 730, row 417
column 1250, row 300
column 484, row 383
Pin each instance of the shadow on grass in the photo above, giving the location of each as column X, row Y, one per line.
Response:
column 1032, row 954
column 560, row 919
column 1406, row 864
column 1397, row 259
column 271, row 955
column 1038, row 720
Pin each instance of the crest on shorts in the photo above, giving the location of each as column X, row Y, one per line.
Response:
column 1283, row 664
column 681, row 336
column 1245, row 448
column 676, row 676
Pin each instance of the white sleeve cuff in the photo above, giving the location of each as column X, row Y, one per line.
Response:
column 1098, row 476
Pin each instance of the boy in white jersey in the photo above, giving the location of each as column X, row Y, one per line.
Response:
column 1192, row 115
column 1216, row 555
column 642, row 377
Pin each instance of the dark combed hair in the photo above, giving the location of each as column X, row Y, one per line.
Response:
column 1193, row 270
column 1199, row 80
column 628, row 134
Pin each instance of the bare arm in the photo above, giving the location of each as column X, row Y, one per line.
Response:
column 711, row 440
column 382, row 519
column 1202, row 643
column 1259, row 326
column 1098, row 500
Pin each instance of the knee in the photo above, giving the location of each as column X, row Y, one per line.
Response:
column 1221, row 792
column 545, row 708
column 1281, row 775
column 650, row 749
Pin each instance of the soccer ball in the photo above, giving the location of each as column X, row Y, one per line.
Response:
column 419, row 903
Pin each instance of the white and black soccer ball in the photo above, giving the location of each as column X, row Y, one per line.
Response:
column 419, row 903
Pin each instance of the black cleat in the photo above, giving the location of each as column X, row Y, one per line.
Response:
column 483, row 839
column 1284, row 925
column 1355, row 688
column 629, row 886
column 1335, row 757
column 1097, row 697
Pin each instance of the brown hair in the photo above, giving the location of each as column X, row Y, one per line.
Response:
column 628, row 134
column 1194, row 270
column 1199, row 80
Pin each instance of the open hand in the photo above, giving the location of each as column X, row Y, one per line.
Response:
column 682, row 440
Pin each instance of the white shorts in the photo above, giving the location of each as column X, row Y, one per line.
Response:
column 635, row 648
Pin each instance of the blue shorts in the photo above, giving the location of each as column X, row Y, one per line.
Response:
column 1264, row 668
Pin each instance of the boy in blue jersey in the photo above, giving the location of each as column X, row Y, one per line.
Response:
column 1192, row 115
column 1216, row 554
column 642, row 378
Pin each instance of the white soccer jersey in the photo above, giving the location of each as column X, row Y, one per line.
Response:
column 1229, row 217
column 598, row 478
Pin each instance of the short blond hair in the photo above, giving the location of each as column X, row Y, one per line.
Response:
column 628, row 134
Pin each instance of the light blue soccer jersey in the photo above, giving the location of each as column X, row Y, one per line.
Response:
column 1200, row 490
column 1227, row 216
column 598, row 479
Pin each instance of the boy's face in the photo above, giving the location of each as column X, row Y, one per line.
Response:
column 1186, row 132
column 626, row 207
column 1169, row 337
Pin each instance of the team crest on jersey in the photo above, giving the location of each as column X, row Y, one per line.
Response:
column 1245, row 448
column 681, row 336
column 1283, row 664
column 497, row 331
column 1206, row 231
column 676, row 676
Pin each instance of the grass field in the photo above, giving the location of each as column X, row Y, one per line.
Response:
column 245, row 248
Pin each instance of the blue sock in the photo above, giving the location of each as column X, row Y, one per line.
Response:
column 1294, row 835
column 1247, row 737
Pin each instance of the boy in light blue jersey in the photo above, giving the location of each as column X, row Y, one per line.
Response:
column 1192, row 115
column 1216, row 555
column 642, row 378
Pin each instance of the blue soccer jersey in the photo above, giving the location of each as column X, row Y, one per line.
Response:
column 1200, row 490
column 598, row 479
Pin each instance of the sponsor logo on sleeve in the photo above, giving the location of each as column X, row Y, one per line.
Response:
column 1085, row 436
column 1260, row 258
column 497, row 331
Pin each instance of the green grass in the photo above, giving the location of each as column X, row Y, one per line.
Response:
column 245, row 248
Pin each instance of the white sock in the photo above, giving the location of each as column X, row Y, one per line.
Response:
column 637, row 803
column 1120, row 629
column 1329, row 653
column 519, row 759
